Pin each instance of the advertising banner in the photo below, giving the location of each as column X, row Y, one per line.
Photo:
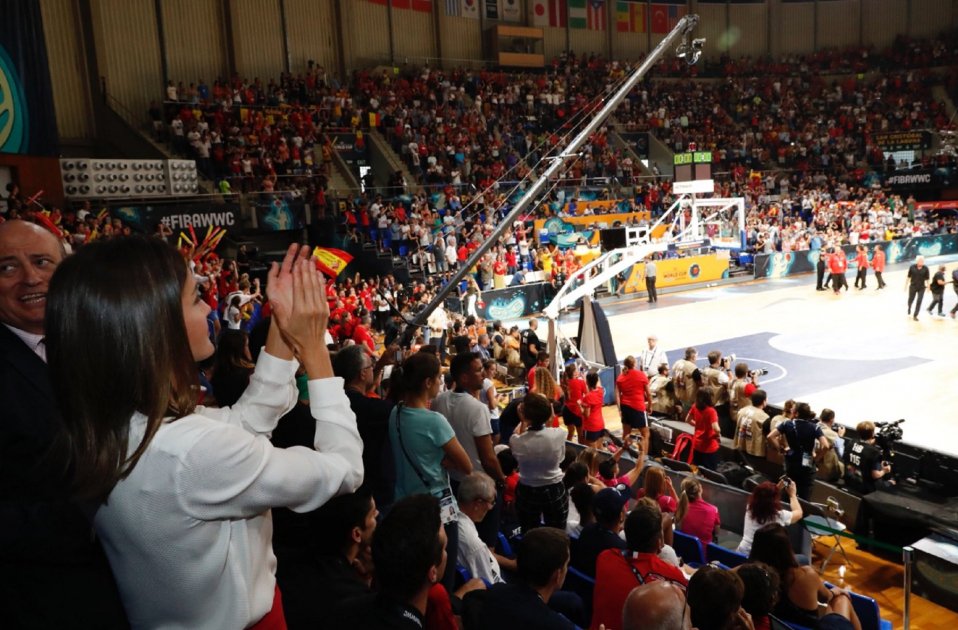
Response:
column 351, row 147
column 178, row 216
column 913, row 178
column 674, row 272
column 279, row 212
column 26, row 97
column 514, row 302
column 780, row 265
column 903, row 140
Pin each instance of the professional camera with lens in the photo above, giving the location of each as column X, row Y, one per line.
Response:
column 758, row 372
column 887, row 434
column 728, row 361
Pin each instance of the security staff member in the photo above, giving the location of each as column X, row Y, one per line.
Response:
column 918, row 277
column 864, row 468
column 797, row 438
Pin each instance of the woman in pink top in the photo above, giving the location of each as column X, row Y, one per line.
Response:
column 695, row 516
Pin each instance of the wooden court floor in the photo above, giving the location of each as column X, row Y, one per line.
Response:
column 893, row 367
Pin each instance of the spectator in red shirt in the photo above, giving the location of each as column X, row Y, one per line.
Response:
column 705, row 441
column 542, row 361
column 591, row 406
column 861, row 262
column 574, row 389
column 632, row 394
column 616, row 569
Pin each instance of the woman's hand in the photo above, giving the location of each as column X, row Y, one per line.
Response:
column 279, row 285
column 305, row 327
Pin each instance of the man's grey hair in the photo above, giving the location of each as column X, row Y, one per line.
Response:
column 477, row 485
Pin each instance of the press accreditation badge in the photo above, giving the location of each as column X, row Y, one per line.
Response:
column 447, row 507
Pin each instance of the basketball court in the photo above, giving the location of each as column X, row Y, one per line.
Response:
column 857, row 353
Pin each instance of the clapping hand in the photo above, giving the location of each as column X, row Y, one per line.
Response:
column 306, row 326
column 279, row 285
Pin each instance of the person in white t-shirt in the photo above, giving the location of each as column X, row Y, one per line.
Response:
column 477, row 496
column 764, row 506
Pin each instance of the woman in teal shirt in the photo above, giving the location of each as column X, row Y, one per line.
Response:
column 424, row 446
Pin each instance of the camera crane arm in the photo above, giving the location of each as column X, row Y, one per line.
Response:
column 681, row 31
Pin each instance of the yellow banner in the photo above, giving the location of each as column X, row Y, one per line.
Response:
column 675, row 272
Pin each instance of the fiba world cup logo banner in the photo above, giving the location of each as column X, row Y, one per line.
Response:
column 13, row 110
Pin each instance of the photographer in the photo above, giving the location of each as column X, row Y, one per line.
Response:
column 741, row 388
column 864, row 469
column 796, row 438
column 716, row 378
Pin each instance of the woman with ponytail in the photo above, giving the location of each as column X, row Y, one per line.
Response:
column 696, row 516
column 573, row 389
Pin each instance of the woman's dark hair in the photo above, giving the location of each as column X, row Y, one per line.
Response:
column 231, row 368
column 771, row 546
column 703, row 398
column 575, row 473
column 507, row 461
column 804, row 411
column 537, row 410
column 581, row 497
column 763, row 504
column 416, row 369
column 592, row 379
column 117, row 345
column 714, row 596
column 761, row 588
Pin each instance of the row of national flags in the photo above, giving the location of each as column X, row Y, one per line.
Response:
column 631, row 16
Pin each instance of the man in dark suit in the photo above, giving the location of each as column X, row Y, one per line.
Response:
column 53, row 573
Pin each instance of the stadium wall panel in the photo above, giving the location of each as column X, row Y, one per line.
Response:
column 930, row 17
column 713, row 26
column 882, row 20
column 414, row 36
column 795, row 29
column 195, row 40
column 311, row 27
column 554, row 42
column 461, row 39
column 838, row 23
column 584, row 42
column 748, row 29
column 128, row 52
column 365, row 34
column 68, row 71
column 628, row 46
column 257, row 38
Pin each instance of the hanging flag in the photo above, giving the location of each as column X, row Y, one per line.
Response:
column 596, row 15
column 510, row 11
column 550, row 13
column 331, row 261
column 659, row 18
column 454, row 8
column 492, row 9
column 470, row 9
column 400, row 4
column 423, row 6
column 630, row 16
column 382, row 2
column 578, row 17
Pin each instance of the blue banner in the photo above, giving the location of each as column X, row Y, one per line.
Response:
column 780, row 264
column 514, row 302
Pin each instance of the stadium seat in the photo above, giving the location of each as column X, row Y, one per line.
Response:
column 729, row 558
column 582, row 585
column 675, row 464
column 868, row 612
column 504, row 545
column 689, row 548
column 713, row 476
